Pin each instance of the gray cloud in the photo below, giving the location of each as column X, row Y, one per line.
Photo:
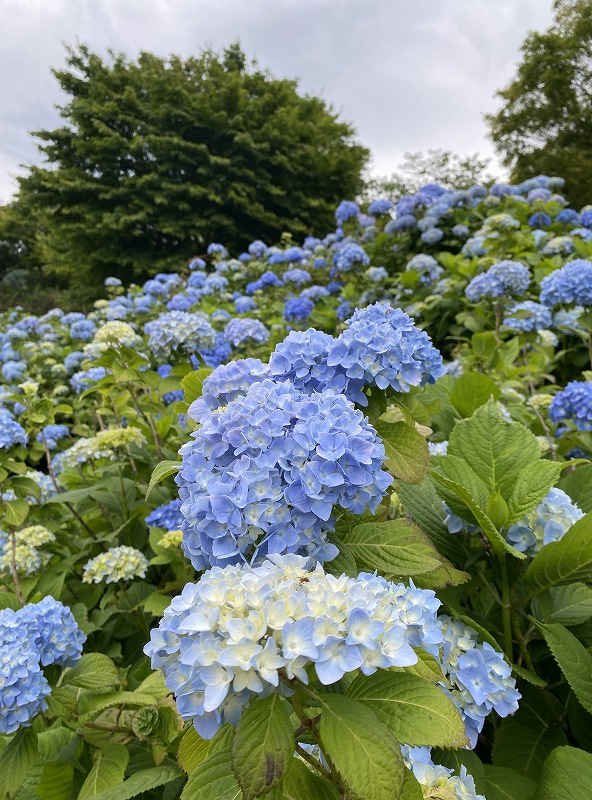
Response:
column 410, row 74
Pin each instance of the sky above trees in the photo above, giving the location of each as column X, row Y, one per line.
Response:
column 410, row 74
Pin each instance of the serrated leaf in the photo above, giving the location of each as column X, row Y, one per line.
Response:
column 406, row 450
column 573, row 659
column 496, row 451
column 141, row 782
column 93, row 671
column 497, row 541
column 192, row 384
column 192, row 750
column 90, row 704
column 344, row 563
column 578, row 485
column 213, row 779
column 16, row 759
column 56, row 781
column 417, row 712
column 107, row 771
column 524, row 741
column 567, row 775
column 564, row 561
column 531, row 487
column 301, row 783
column 263, row 745
column 160, row 473
column 61, row 702
column 363, row 750
column 15, row 513
column 503, row 783
column 457, row 470
column 471, row 391
column 571, row 604
column 397, row 547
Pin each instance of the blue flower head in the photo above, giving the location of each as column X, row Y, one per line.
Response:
column 11, row 432
column 167, row 516
column 570, row 284
column 179, row 331
column 504, row 279
column 528, row 316
column 244, row 329
column 225, row 384
column 380, row 206
column 350, row 256
column 298, row 309
column 573, row 403
column 346, row 210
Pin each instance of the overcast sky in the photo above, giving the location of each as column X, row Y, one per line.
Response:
column 410, row 74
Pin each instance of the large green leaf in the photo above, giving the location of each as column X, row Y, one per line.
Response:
column 213, row 779
column 397, row 547
column 567, row 775
column 301, row 783
column 578, row 485
column 192, row 750
column 406, row 450
column 56, row 781
column 142, row 782
column 93, row 671
column 457, row 470
column 16, row 759
column 471, row 391
column 573, row 659
column 531, row 487
column 160, row 473
column 565, row 561
column 193, row 384
column 571, row 604
column 363, row 750
column 417, row 712
column 107, row 771
column 503, row 783
column 497, row 451
column 263, row 745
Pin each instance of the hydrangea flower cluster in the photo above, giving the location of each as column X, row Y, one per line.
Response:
column 263, row 475
column 296, row 276
column 349, row 256
column 297, row 309
column 85, row 378
column 167, row 516
column 549, row 522
column 223, row 640
column 244, row 329
column 121, row 563
column 171, row 540
column 11, row 432
column 382, row 346
column 347, row 209
column 179, row 330
column 504, row 279
column 426, row 266
column 570, row 284
column 302, row 359
column 52, row 434
column 529, row 316
column 218, row 354
column 438, row 781
column 28, row 559
column 574, row 403
column 376, row 274
column 225, row 384
column 479, row 680
column 34, row 636
column 102, row 445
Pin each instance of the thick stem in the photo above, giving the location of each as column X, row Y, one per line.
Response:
column 506, row 608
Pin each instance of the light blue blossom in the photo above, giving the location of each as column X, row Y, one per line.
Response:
column 244, row 329
column 549, row 522
column 570, row 284
column 504, row 279
column 573, row 403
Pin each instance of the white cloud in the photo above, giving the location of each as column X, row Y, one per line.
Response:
column 410, row 74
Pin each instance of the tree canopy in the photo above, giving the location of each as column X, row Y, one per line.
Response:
column 159, row 156
column 545, row 122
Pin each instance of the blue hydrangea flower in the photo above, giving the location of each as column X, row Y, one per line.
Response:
column 112, row 281
column 380, row 206
column 85, row 378
column 297, row 309
column 302, row 359
column 52, row 435
column 376, row 274
column 529, row 316
column 244, row 329
column 257, row 248
column 167, row 516
column 23, row 686
column 263, row 475
column 179, row 331
column 297, row 276
column 197, row 279
column 504, row 279
column 349, row 256
column 381, row 346
column 462, row 231
column 223, row 640
column 54, row 631
column 436, row 780
column 570, row 284
column 586, row 218
column 216, row 249
column 11, row 432
column 197, row 263
column 426, row 266
column 242, row 305
column 225, row 384
column 84, row 329
column 314, row 293
column 344, row 310
column 13, row 371
column 346, row 210
column 479, row 680
column 569, row 216
column 539, row 220
column 573, row 403
column 549, row 522
column 432, row 235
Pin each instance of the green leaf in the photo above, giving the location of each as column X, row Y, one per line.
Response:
column 531, row 487
column 363, row 750
column 397, row 547
column 213, row 779
column 301, row 783
column 107, row 771
column 141, row 782
column 497, row 541
column 567, row 775
column 417, row 712
column 406, row 449
column 93, row 671
column 457, row 759
column 564, row 561
column 344, row 563
column 457, row 470
column 497, row 451
column 16, row 759
column 193, row 384
column 578, row 485
column 573, row 659
column 15, row 513
column 192, row 750
column 502, row 783
column 411, row 788
column 90, row 704
column 160, row 473
column 571, row 604
column 56, row 781
column 471, row 391
column 263, row 745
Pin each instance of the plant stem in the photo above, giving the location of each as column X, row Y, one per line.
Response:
column 506, row 608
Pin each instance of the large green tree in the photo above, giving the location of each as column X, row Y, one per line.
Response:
column 545, row 122
column 158, row 157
